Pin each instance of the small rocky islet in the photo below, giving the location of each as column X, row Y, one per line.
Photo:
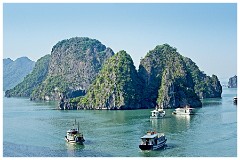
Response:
column 232, row 82
column 82, row 73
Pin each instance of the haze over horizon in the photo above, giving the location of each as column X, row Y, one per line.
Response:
column 206, row 33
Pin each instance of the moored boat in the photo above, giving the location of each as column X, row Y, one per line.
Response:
column 74, row 135
column 184, row 111
column 152, row 141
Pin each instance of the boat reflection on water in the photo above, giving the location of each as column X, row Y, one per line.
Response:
column 158, row 124
column 185, row 118
column 74, row 146
column 174, row 122
column 182, row 122
column 73, row 149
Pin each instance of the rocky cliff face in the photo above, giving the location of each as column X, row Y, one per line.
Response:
column 79, row 66
column 32, row 80
column 171, row 80
column 167, row 82
column 73, row 65
column 15, row 71
column 116, row 87
column 177, row 88
column 204, row 86
column 232, row 83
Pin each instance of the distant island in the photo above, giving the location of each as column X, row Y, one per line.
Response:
column 82, row 73
column 232, row 83
column 15, row 71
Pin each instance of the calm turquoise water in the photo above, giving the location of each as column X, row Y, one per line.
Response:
column 36, row 129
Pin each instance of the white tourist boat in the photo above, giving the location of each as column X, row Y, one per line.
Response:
column 184, row 111
column 152, row 141
column 157, row 113
column 74, row 135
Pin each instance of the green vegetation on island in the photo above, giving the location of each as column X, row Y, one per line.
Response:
column 83, row 74
column 116, row 87
column 167, row 82
column 32, row 80
column 73, row 65
column 205, row 86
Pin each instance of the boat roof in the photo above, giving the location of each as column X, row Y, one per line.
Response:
column 154, row 111
column 149, row 136
column 72, row 130
column 183, row 108
column 159, row 110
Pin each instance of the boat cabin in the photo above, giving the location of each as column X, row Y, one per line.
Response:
column 72, row 131
column 184, row 110
column 157, row 113
column 152, row 138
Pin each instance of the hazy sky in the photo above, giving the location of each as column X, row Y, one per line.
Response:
column 206, row 33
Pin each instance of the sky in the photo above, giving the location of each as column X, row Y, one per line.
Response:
column 204, row 32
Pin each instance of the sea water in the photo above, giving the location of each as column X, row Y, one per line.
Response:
column 37, row 129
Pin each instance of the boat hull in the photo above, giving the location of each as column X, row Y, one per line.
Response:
column 156, row 114
column 153, row 147
column 80, row 141
column 146, row 147
column 158, row 117
column 177, row 113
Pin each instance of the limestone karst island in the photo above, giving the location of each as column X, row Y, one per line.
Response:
column 82, row 73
